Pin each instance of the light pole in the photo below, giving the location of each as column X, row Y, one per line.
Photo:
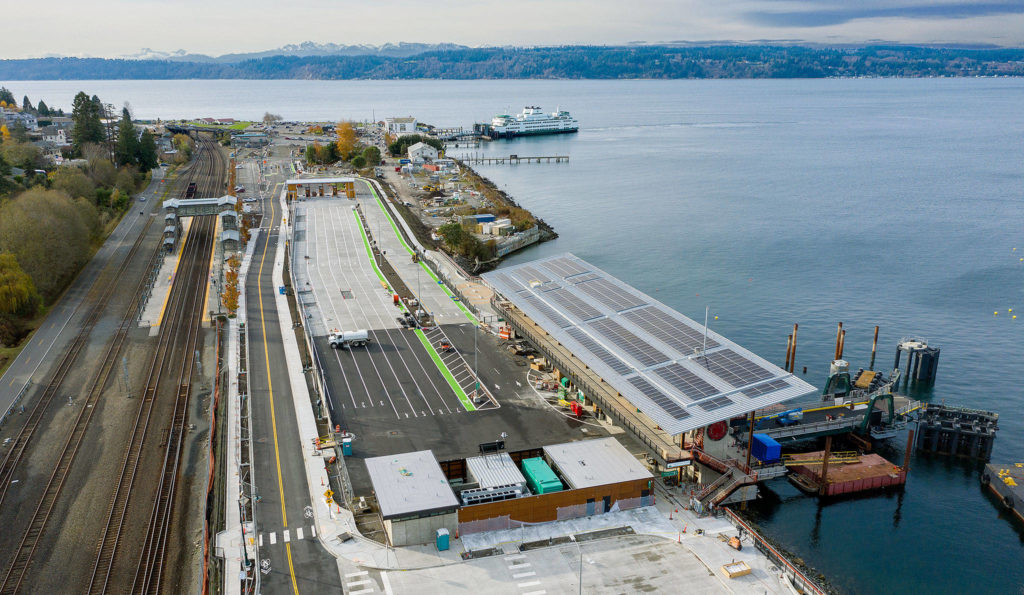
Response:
column 476, row 373
column 572, row 538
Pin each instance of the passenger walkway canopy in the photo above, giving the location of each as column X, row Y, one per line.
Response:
column 312, row 187
column 675, row 371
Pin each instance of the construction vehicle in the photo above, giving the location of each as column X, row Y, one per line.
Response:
column 431, row 188
column 347, row 339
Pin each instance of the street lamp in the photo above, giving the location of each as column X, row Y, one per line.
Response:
column 572, row 538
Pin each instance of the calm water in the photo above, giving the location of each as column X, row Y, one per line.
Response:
column 889, row 202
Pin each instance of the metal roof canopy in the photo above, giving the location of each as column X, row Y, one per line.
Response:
column 655, row 357
column 598, row 462
column 410, row 484
column 495, row 470
column 300, row 181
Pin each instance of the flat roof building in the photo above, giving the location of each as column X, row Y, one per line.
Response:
column 590, row 463
column 413, row 495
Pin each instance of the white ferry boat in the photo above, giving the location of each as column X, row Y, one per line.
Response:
column 532, row 120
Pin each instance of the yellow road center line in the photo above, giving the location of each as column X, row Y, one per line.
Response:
column 273, row 415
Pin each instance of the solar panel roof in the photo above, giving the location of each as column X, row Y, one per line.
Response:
column 670, row 367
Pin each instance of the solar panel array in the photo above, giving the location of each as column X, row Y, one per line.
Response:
column 653, row 356
column 548, row 311
column 668, row 329
column 602, row 354
column 764, row 388
column 694, row 387
column 637, row 348
column 565, row 267
column 733, row 368
column 610, row 295
column 573, row 305
column 528, row 274
column 659, row 398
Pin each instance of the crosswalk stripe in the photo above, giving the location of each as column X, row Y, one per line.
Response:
column 357, row 583
column 515, row 557
column 535, row 593
column 524, row 574
column 360, row 592
column 312, row 531
column 261, row 540
column 273, row 538
column 518, row 566
column 528, row 584
column 360, row 573
column 287, row 538
column 298, row 533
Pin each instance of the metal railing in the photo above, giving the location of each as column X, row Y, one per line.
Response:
column 800, row 580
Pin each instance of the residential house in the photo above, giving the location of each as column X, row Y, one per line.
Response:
column 422, row 152
column 13, row 117
column 400, row 126
column 54, row 135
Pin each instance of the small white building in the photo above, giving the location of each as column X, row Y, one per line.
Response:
column 400, row 126
column 422, row 152
column 414, row 497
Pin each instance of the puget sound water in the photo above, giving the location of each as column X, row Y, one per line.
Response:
column 872, row 201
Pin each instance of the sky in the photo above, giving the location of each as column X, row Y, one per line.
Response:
column 112, row 28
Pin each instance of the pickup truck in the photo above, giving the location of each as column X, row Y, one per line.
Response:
column 347, row 339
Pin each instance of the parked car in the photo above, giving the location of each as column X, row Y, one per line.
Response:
column 240, row 189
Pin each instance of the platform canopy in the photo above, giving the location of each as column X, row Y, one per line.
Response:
column 667, row 365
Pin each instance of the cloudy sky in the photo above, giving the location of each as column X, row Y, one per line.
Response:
column 122, row 27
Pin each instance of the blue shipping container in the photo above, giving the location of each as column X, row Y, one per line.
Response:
column 766, row 449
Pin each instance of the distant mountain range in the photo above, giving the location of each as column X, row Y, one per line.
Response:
column 449, row 61
column 304, row 49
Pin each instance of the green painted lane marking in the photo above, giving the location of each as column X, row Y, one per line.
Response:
column 423, row 265
column 445, row 372
column 461, row 394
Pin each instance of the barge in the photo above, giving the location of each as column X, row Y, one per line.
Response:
column 1007, row 482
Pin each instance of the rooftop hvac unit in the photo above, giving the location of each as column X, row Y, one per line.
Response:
column 495, row 494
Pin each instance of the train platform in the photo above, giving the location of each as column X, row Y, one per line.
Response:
column 156, row 302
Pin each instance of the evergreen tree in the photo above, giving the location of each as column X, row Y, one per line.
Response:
column 6, row 96
column 127, row 149
column 147, row 157
column 42, row 109
column 26, row 105
column 88, row 127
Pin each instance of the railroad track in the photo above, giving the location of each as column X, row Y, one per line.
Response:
column 101, row 292
column 97, row 298
column 179, row 335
